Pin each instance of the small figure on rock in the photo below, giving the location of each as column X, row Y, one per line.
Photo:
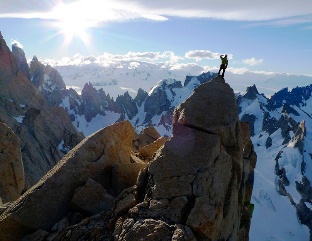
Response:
column 224, row 64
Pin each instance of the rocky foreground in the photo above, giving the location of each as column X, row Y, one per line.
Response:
column 196, row 187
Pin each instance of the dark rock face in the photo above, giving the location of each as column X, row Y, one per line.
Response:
column 126, row 106
column 251, row 92
column 37, row 72
column 269, row 124
column 91, row 101
column 140, row 97
column 289, row 110
column 251, row 120
column 48, row 81
column 158, row 101
column 21, row 61
column 303, row 212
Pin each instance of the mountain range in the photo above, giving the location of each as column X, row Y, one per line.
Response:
column 280, row 127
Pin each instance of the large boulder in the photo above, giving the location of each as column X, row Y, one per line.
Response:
column 196, row 179
column 48, row 201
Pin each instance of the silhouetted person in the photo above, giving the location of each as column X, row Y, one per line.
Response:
column 224, row 64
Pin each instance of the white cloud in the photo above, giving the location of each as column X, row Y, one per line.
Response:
column 109, row 59
column 190, row 68
column 17, row 43
column 252, row 61
column 199, row 55
column 119, row 10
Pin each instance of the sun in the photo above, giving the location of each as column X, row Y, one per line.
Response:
column 73, row 21
column 71, row 27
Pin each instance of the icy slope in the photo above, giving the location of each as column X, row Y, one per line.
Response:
column 282, row 139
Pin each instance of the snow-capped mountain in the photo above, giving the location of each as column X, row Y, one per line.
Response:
column 117, row 75
column 281, row 133
column 281, row 128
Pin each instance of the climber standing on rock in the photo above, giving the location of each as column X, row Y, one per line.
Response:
column 224, row 64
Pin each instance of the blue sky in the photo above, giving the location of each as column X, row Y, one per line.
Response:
column 258, row 35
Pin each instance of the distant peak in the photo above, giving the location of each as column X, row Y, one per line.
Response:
column 35, row 59
column 251, row 92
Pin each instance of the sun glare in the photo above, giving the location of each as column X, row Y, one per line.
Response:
column 72, row 22
column 72, row 27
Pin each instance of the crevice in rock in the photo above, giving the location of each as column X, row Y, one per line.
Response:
column 200, row 129
column 142, row 183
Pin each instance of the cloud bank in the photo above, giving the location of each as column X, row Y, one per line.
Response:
column 167, row 57
column 252, row 61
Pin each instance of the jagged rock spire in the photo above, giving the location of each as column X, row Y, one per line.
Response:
column 252, row 92
column 21, row 60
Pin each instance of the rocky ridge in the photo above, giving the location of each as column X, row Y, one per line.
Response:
column 92, row 104
column 195, row 188
column 44, row 133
